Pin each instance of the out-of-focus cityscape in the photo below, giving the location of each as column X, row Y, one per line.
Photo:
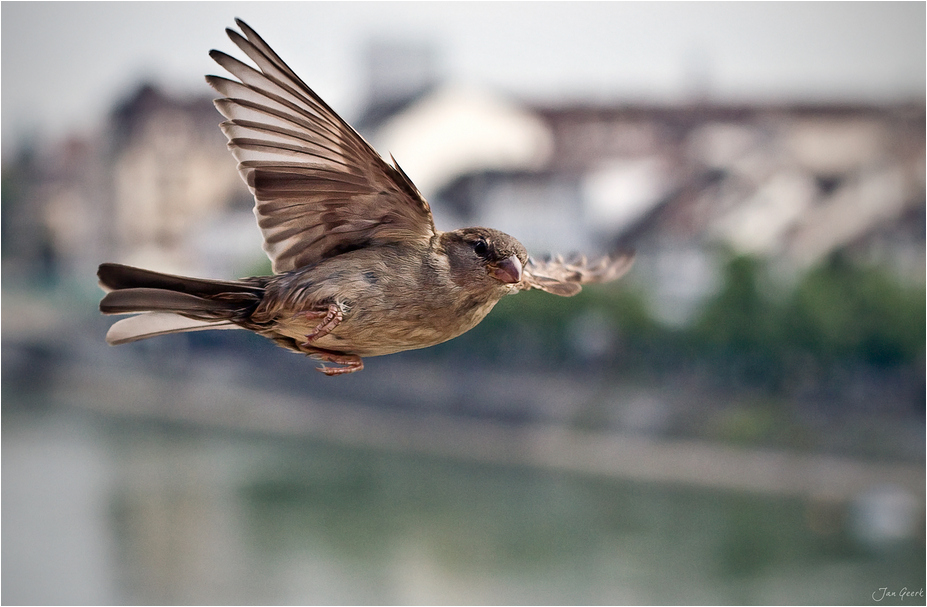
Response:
column 743, row 414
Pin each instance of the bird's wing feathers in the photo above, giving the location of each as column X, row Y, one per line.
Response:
column 565, row 277
column 319, row 188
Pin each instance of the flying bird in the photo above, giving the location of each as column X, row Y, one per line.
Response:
column 358, row 266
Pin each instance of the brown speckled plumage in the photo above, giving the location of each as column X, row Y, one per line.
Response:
column 359, row 268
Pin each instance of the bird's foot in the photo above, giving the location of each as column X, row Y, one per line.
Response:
column 350, row 362
column 331, row 318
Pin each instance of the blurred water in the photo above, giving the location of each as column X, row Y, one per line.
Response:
column 100, row 509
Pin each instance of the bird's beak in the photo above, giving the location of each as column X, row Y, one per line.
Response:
column 508, row 270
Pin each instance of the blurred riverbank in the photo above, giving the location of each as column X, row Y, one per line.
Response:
column 211, row 396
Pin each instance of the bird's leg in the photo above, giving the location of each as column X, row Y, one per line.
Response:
column 331, row 318
column 350, row 362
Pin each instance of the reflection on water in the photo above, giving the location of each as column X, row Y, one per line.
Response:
column 104, row 511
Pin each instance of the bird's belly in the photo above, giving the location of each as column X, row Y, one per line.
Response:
column 378, row 331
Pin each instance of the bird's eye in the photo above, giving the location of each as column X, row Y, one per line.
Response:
column 480, row 247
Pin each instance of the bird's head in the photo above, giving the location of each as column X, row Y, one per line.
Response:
column 483, row 257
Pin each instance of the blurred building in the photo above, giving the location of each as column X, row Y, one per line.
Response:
column 796, row 181
column 793, row 183
column 397, row 74
column 171, row 179
column 156, row 187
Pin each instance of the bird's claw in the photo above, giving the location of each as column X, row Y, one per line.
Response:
column 331, row 318
column 350, row 362
column 349, row 367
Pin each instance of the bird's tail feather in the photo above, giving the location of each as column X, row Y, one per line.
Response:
column 114, row 277
column 173, row 304
column 153, row 324
column 143, row 299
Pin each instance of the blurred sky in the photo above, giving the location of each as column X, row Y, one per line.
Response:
column 65, row 64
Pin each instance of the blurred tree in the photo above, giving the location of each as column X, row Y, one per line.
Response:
column 737, row 331
column 737, row 316
column 841, row 311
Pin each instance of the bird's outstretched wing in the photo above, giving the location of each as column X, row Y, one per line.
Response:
column 565, row 277
column 319, row 188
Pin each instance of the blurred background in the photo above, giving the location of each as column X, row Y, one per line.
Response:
column 739, row 421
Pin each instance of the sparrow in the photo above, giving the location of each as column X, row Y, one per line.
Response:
column 358, row 267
